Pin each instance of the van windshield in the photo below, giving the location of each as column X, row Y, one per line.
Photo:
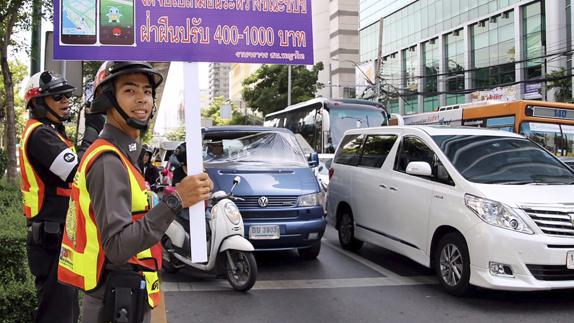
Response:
column 276, row 148
column 503, row 160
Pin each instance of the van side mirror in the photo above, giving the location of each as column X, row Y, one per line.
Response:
column 313, row 160
column 419, row 168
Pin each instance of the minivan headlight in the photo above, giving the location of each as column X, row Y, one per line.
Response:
column 310, row 199
column 232, row 213
column 497, row 214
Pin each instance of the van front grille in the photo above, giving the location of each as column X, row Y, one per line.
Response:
column 272, row 201
column 553, row 221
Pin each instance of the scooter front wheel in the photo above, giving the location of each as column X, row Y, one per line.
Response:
column 241, row 269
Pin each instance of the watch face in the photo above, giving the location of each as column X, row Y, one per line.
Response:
column 172, row 201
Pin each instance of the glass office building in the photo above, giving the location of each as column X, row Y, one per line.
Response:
column 443, row 52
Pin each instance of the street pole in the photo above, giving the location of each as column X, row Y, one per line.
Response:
column 288, row 85
column 36, row 37
column 330, row 82
column 379, row 62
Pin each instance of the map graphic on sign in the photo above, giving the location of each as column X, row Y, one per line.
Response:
column 79, row 17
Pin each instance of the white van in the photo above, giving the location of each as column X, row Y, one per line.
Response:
column 482, row 207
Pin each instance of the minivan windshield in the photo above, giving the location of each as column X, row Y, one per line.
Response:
column 503, row 160
column 265, row 148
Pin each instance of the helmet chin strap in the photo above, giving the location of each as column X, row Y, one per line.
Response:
column 42, row 105
column 132, row 122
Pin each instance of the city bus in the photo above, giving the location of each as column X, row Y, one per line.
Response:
column 550, row 124
column 322, row 122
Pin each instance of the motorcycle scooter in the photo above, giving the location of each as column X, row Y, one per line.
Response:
column 229, row 253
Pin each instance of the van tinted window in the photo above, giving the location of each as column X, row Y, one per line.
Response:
column 376, row 149
column 349, row 150
column 413, row 149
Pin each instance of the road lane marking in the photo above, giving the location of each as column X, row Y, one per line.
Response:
column 389, row 279
column 222, row 285
column 402, row 280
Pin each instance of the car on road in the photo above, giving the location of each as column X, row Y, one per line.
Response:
column 281, row 201
column 482, row 207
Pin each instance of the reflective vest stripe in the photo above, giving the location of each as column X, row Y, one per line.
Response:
column 31, row 184
column 82, row 257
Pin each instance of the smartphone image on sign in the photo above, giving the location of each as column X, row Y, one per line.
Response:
column 78, row 22
column 117, row 22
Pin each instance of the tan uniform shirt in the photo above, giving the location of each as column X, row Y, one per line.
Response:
column 110, row 192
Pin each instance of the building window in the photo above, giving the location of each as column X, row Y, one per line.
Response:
column 431, row 70
column 369, row 42
column 493, row 51
column 533, row 48
column 391, row 81
column 454, row 55
column 410, row 72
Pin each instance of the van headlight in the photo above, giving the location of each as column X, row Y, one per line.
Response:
column 497, row 214
column 310, row 199
column 232, row 213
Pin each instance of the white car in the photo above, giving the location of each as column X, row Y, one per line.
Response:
column 482, row 207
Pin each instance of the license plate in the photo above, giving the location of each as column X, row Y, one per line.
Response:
column 264, row 232
column 570, row 259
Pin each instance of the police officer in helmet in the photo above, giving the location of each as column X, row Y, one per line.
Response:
column 118, row 259
column 48, row 162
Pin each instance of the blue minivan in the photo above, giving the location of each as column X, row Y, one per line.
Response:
column 282, row 200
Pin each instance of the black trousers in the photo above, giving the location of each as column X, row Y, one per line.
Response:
column 56, row 302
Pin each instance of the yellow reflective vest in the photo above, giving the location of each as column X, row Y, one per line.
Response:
column 31, row 185
column 82, row 257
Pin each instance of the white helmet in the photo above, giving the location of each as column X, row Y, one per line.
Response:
column 41, row 85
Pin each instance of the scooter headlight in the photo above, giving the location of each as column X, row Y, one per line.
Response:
column 232, row 213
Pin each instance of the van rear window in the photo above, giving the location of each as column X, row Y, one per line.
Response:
column 350, row 150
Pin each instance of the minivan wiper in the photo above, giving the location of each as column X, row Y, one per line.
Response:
column 507, row 182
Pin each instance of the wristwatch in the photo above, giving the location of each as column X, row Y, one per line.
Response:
column 173, row 201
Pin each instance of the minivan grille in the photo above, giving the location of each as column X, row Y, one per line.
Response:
column 273, row 201
column 553, row 221
column 551, row 272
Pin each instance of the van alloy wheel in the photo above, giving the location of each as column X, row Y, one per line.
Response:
column 451, row 266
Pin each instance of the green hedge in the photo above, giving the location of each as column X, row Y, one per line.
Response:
column 17, row 293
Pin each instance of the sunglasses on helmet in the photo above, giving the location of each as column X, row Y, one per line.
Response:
column 59, row 97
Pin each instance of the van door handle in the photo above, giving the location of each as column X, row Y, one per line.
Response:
column 382, row 186
column 393, row 188
column 440, row 197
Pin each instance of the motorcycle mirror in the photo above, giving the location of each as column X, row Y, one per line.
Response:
column 236, row 181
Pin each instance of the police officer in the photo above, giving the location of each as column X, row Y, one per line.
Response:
column 48, row 163
column 111, row 244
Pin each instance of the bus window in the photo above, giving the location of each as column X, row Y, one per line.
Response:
column 302, row 122
column 557, row 139
column 344, row 119
column 501, row 123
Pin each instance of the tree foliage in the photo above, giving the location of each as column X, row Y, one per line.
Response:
column 266, row 89
column 177, row 134
column 237, row 118
column 561, row 83
column 14, row 16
